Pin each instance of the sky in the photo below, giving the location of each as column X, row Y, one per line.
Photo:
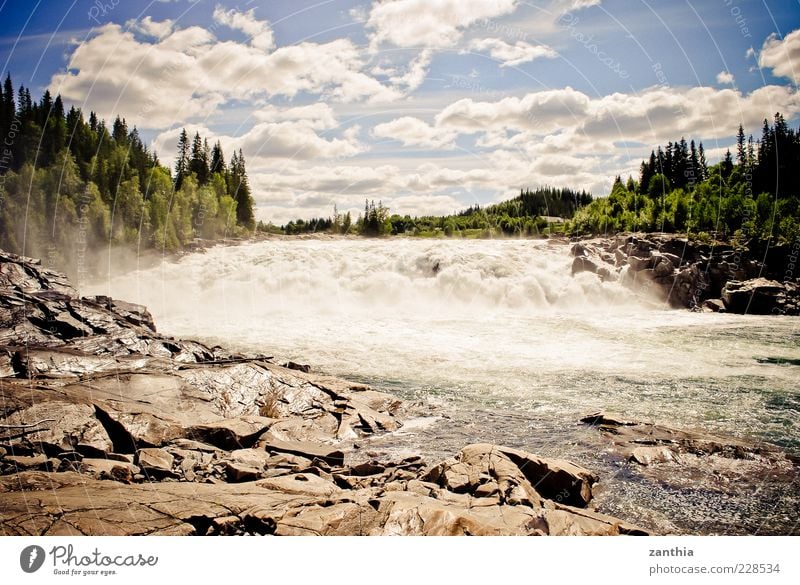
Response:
column 427, row 105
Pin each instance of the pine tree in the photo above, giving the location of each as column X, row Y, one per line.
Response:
column 702, row 160
column 241, row 192
column 741, row 153
column 182, row 160
column 217, row 164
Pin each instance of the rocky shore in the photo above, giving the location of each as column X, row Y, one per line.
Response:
column 689, row 274
column 108, row 427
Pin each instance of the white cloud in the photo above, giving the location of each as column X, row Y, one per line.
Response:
column 652, row 116
column 511, row 55
column 543, row 112
column 430, row 23
column 782, row 55
column 416, row 73
column 319, row 116
column 725, row 78
column 290, row 134
column 188, row 73
column 151, row 28
column 415, row 132
column 258, row 31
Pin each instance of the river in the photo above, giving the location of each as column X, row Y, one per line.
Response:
column 495, row 341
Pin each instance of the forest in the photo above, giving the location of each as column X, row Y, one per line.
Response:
column 752, row 195
column 68, row 184
column 523, row 215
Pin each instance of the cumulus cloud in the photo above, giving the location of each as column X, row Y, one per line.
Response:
column 782, row 55
column 188, row 73
column 302, row 134
column 430, row 23
column 415, row 132
column 258, row 31
column 511, row 55
column 725, row 78
column 657, row 114
column 151, row 28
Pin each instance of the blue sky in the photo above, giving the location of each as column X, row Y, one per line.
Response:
column 429, row 105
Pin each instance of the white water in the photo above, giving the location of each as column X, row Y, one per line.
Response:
column 501, row 322
column 496, row 335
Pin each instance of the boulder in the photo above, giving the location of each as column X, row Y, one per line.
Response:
column 108, row 469
column 757, row 296
column 156, row 462
column 714, row 305
column 329, row 455
column 519, row 476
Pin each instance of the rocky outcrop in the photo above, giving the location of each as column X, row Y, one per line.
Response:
column 689, row 274
column 112, row 428
column 674, row 457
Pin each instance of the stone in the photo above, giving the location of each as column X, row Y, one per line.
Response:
column 715, row 305
column 329, row 455
column 22, row 462
column 584, row 264
column 757, row 296
column 520, row 477
column 156, row 462
column 108, row 469
column 236, row 433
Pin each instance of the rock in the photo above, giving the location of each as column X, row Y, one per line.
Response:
column 639, row 264
column 715, row 305
column 299, row 367
column 237, row 433
column 520, row 476
column 246, row 464
column 155, row 462
column 331, row 456
column 758, row 296
column 584, row 264
column 305, row 484
column 108, row 469
column 671, row 456
column 650, row 455
column 23, row 463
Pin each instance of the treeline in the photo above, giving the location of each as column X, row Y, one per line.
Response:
column 754, row 195
column 523, row 215
column 67, row 184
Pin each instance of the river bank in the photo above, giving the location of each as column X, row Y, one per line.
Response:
column 103, row 356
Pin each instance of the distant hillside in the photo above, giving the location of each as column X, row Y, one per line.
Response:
column 524, row 215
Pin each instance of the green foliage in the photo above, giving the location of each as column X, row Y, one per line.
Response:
column 744, row 200
column 69, row 184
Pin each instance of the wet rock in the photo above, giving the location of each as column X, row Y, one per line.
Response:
column 584, row 264
column 715, row 305
column 520, row 477
column 674, row 456
column 758, row 296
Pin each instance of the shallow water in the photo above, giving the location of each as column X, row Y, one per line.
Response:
column 501, row 344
